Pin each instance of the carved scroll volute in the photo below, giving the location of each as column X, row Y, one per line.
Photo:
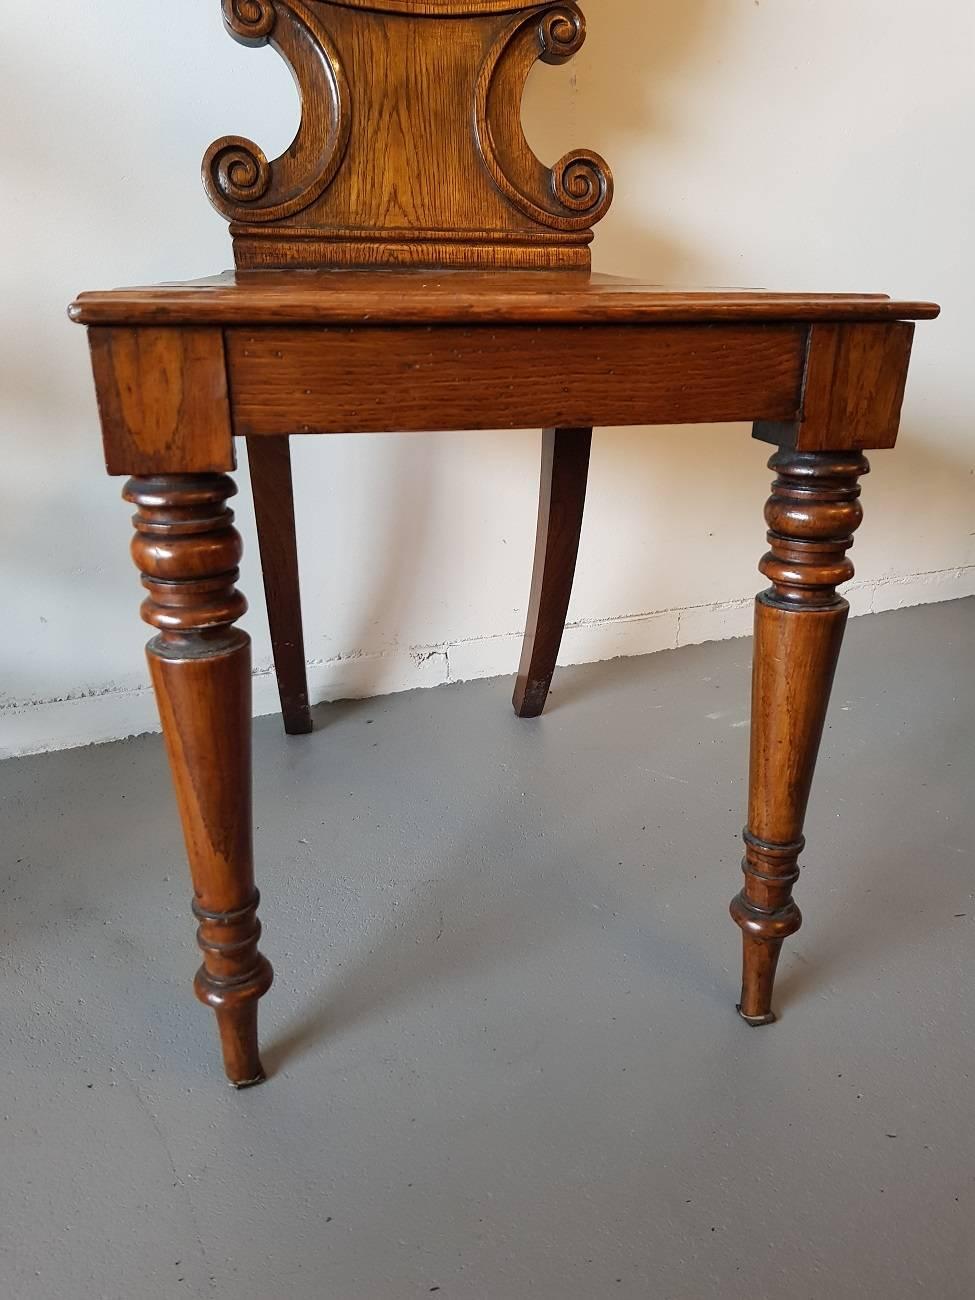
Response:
column 420, row 157
column 578, row 190
column 240, row 181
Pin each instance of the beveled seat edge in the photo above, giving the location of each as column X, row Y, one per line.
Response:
column 365, row 297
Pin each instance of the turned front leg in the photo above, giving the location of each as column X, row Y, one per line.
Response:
column 188, row 552
column 799, row 622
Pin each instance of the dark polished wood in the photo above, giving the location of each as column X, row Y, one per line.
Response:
column 383, row 297
column 408, row 264
column 188, row 550
column 387, row 379
column 162, row 398
column 562, row 498
column 274, row 507
column 853, row 389
column 812, row 515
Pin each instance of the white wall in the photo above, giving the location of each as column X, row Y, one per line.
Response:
column 807, row 144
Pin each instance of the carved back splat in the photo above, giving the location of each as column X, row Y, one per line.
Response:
column 410, row 149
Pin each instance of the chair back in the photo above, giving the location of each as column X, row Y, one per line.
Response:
column 410, row 150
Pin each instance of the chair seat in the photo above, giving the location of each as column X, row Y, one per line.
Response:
column 377, row 297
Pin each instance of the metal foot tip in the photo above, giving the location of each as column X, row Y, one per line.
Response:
column 239, row 1084
column 755, row 1021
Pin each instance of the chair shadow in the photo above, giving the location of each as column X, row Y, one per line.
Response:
column 436, row 940
column 440, row 939
column 393, row 972
column 437, row 937
column 846, row 943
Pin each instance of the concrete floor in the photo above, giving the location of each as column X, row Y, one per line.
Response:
column 504, row 1050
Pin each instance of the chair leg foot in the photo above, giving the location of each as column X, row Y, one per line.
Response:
column 297, row 721
column 238, row 1041
column 760, row 957
column 529, row 697
column 756, row 1021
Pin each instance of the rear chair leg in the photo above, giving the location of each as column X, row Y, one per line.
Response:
column 565, row 471
column 274, row 507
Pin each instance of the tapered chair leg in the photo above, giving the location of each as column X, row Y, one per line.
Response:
column 188, row 552
column 274, row 507
column 799, row 622
column 562, row 498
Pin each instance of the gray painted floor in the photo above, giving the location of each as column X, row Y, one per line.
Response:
column 504, row 1050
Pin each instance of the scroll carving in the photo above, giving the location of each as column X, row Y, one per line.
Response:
column 239, row 180
column 419, row 158
column 579, row 188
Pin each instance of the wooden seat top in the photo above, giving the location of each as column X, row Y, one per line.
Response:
column 417, row 297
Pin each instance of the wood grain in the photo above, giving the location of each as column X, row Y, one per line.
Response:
column 410, row 149
column 383, row 297
column 162, row 399
column 853, row 389
column 389, row 380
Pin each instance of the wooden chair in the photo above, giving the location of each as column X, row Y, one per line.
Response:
column 409, row 264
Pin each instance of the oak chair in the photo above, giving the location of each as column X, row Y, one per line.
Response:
column 409, row 264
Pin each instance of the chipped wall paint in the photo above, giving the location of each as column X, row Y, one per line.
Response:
column 416, row 551
column 112, row 713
